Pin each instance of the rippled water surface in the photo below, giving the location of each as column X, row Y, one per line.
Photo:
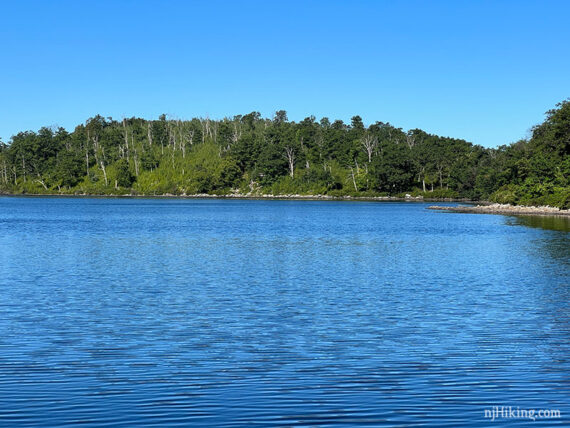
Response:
column 218, row 312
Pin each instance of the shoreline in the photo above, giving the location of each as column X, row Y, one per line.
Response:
column 476, row 207
column 252, row 196
column 504, row 209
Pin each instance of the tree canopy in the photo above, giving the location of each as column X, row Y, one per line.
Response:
column 249, row 153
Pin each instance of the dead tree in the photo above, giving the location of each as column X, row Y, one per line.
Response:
column 290, row 154
column 126, row 136
column 353, row 179
column 104, row 172
column 410, row 140
column 422, row 177
column 206, row 129
column 236, row 134
column 4, row 171
column 136, row 157
column 87, row 160
column 370, row 144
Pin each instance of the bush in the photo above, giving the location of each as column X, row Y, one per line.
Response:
column 531, row 193
column 505, row 195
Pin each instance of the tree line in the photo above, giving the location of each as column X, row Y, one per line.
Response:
column 251, row 154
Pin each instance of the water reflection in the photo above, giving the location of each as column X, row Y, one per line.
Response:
column 549, row 246
column 559, row 223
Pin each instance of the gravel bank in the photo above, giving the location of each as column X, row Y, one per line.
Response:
column 503, row 209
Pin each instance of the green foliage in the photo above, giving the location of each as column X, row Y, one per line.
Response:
column 149, row 161
column 392, row 171
column 307, row 181
column 251, row 154
column 271, row 163
column 533, row 194
column 67, row 171
column 124, row 176
column 505, row 195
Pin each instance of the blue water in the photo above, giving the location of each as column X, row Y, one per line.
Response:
column 219, row 312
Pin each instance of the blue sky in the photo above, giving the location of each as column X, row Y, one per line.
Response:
column 485, row 71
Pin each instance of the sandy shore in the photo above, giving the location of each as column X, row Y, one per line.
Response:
column 505, row 209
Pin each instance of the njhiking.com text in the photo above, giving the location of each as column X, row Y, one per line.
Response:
column 510, row 412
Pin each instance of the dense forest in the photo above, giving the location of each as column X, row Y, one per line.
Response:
column 252, row 155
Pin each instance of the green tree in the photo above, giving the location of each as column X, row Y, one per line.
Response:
column 125, row 178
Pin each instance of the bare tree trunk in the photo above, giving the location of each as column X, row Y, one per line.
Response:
column 171, row 137
column 422, row 178
column 136, row 163
column 320, row 144
column 370, row 143
column 132, row 143
column 42, row 183
column 104, row 173
column 353, row 179
column 187, row 138
column 235, row 134
column 181, row 142
column 126, row 135
column 215, row 132
column 411, row 141
column 87, row 161
column 290, row 152
column 149, row 134
column 205, row 129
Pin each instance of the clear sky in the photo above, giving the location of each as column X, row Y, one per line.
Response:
column 485, row 71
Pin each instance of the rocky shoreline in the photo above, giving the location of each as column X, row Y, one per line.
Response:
column 407, row 198
column 504, row 209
